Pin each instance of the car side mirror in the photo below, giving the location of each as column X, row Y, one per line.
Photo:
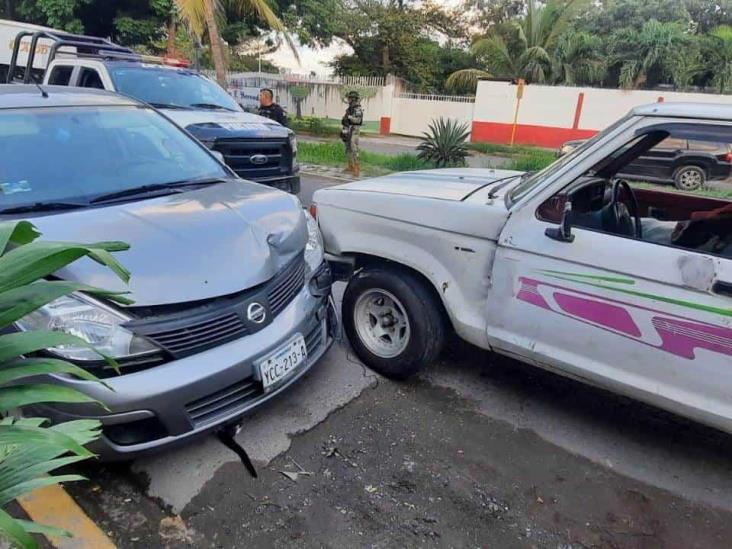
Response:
column 563, row 233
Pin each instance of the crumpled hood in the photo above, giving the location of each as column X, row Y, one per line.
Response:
column 445, row 184
column 196, row 245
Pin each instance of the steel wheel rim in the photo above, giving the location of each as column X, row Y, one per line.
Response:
column 690, row 179
column 382, row 323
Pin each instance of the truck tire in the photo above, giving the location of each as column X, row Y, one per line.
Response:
column 690, row 178
column 393, row 320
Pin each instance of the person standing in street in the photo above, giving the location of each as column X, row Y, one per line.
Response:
column 269, row 109
column 351, row 128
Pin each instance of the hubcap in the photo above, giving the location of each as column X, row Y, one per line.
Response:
column 690, row 180
column 382, row 323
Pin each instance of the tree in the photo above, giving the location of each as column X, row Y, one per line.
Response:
column 299, row 94
column 578, row 59
column 521, row 48
column 641, row 53
column 205, row 15
column 721, row 58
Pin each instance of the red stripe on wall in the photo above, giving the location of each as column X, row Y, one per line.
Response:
column 385, row 125
column 578, row 110
column 543, row 136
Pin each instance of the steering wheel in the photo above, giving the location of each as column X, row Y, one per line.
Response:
column 617, row 218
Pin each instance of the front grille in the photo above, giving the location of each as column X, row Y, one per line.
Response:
column 285, row 288
column 237, row 396
column 207, row 333
column 183, row 331
column 238, row 155
column 223, row 402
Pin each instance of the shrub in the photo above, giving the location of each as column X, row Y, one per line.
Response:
column 29, row 447
column 445, row 143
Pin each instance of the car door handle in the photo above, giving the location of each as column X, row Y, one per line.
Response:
column 722, row 288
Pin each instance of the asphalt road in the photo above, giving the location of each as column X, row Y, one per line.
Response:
column 478, row 451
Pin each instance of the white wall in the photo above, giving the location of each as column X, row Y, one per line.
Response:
column 555, row 106
column 412, row 116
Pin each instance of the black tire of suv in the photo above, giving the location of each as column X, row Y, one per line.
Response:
column 687, row 169
column 424, row 313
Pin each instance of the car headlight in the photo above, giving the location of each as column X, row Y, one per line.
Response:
column 314, row 247
column 94, row 322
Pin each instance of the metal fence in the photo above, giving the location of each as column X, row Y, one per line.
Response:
column 430, row 97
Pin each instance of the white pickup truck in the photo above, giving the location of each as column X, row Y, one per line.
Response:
column 571, row 269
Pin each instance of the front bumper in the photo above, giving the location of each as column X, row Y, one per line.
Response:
column 167, row 405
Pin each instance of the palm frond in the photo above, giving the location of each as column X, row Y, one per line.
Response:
column 465, row 79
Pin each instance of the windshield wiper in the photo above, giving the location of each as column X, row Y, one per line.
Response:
column 44, row 207
column 211, row 106
column 174, row 187
column 167, row 106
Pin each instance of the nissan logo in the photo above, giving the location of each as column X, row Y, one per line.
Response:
column 258, row 159
column 256, row 313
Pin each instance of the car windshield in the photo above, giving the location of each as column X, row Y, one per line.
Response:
column 73, row 154
column 166, row 87
column 531, row 180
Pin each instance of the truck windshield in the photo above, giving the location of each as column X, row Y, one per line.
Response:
column 74, row 154
column 167, row 87
column 532, row 180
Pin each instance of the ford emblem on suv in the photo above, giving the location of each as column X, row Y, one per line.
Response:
column 256, row 313
column 258, row 159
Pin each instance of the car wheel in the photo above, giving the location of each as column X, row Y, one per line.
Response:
column 690, row 178
column 393, row 321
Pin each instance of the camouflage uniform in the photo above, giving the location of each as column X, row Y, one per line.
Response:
column 351, row 122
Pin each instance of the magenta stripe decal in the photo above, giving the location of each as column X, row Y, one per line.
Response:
column 598, row 312
column 679, row 336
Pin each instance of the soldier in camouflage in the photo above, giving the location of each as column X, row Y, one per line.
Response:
column 351, row 122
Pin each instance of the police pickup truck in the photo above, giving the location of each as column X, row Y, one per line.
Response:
column 256, row 148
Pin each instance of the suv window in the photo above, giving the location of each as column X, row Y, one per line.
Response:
column 60, row 75
column 89, row 78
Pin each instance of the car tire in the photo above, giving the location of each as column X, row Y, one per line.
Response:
column 690, row 178
column 393, row 320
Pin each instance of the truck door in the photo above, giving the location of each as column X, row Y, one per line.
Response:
column 648, row 316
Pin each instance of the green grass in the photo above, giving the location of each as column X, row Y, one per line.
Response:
column 532, row 160
column 334, row 154
column 498, row 149
column 325, row 126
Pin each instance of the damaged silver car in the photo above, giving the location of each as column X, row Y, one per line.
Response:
column 231, row 294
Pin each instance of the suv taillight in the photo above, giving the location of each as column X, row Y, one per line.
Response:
column 313, row 209
column 728, row 157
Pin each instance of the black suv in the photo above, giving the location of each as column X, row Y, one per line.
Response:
column 685, row 163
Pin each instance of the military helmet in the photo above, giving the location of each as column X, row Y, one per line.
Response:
column 353, row 94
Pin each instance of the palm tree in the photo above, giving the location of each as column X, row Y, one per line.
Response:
column 638, row 52
column 721, row 42
column 521, row 48
column 578, row 59
column 200, row 15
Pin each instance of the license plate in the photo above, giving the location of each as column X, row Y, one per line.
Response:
column 282, row 362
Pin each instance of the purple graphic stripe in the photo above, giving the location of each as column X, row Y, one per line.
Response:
column 680, row 336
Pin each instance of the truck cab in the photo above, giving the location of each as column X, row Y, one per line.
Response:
column 256, row 148
column 574, row 269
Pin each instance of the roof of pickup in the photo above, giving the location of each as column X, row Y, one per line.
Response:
column 712, row 111
column 28, row 96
